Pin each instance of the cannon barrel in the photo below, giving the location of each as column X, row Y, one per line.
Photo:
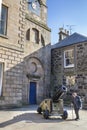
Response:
column 59, row 93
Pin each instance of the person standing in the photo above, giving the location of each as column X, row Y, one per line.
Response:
column 76, row 101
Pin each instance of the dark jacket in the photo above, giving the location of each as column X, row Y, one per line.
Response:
column 76, row 102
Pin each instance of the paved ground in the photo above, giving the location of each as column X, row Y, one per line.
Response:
column 27, row 119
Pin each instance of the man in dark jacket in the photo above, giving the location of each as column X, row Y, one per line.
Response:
column 76, row 100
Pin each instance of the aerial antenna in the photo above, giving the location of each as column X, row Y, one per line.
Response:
column 70, row 28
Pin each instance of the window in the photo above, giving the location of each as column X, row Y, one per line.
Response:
column 28, row 35
column 42, row 40
column 36, row 36
column 3, row 20
column 69, row 58
column 1, row 77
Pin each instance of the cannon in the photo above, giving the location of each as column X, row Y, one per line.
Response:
column 59, row 93
column 54, row 106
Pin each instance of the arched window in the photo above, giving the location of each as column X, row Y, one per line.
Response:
column 42, row 40
column 28, row 35
column 35, row 36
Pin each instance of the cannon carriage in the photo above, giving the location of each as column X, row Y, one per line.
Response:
column 54, row 106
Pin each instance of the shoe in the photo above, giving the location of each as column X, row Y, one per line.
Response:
column 77, row 119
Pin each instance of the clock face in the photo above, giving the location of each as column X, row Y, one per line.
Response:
column 34, row 6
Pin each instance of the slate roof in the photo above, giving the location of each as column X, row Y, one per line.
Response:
column 70, row 40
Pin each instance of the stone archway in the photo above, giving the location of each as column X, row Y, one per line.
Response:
column 34, row 72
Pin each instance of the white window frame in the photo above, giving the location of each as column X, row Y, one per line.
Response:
column 1, row 77
column 70, row 65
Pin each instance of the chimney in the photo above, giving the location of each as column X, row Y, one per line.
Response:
column 63, row 33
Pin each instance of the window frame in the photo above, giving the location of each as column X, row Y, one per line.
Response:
column 70, row 65
column 3, row 30
column 1, row 78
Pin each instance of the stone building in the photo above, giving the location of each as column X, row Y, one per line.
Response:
column 24, row 52
column 69, row 63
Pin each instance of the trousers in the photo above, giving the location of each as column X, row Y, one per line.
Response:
column 77, row 113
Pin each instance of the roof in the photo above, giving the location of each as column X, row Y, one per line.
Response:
column 70, row 40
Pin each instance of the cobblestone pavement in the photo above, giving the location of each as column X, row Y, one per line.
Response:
column 26, row 118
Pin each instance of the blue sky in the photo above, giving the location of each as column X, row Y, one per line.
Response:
column 67, row 12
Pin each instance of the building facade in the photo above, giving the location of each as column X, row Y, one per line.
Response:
column 69, row 59
column 24, row 52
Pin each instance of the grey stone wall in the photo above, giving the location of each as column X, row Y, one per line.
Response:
column 79, row 71
column 82, row 70
column 56, row 69
column 41, row 76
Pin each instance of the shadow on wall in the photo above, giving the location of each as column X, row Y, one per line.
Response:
column 15, row 80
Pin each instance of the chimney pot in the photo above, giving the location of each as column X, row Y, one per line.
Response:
column 63, row 33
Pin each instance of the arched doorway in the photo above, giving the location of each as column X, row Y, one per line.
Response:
column 32, row 93
column 35, row 75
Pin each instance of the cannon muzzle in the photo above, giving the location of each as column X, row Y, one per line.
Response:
column 59, row 93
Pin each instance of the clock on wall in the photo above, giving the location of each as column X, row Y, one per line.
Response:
column 34, row 6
